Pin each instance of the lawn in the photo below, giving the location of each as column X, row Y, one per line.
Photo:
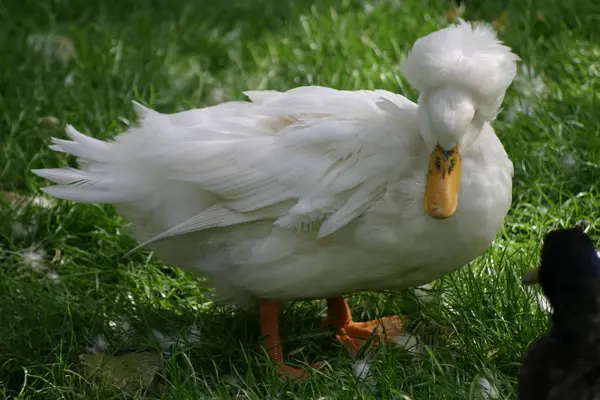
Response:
column 68, row 293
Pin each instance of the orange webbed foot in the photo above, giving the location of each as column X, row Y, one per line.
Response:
column 289, row 372
column 354, row 335
column 269, row 314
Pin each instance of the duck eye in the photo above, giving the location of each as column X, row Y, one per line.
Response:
column 596, row 261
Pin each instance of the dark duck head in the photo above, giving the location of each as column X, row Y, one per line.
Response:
column 569, row 275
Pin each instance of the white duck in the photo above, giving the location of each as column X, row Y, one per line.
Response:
column 314, row 192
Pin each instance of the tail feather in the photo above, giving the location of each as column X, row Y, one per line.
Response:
column 82, row 146
column 128, row 169
column 90, row 184
column 80, row 185
column 89, row 195
column 71, row 176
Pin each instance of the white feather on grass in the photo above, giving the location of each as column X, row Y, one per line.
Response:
column 488, row 390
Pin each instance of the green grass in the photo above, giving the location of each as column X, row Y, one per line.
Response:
column 181, row 54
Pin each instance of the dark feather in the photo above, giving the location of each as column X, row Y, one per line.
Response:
column 565, row 364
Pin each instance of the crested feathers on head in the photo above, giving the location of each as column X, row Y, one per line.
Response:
column 462, row 54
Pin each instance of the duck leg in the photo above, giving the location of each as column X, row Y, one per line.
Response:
column 353, row 335
column 269, row 326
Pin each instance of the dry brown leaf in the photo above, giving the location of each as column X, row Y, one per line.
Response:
column 456, row 13
column 127, row 372
column 501, row 20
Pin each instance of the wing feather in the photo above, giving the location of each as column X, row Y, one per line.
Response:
column 310, row 156
column 332, row 167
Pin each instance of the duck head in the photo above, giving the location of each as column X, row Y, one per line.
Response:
column 462, row 73
column 569, row 271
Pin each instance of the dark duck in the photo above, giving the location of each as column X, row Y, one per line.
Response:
column 565, row 364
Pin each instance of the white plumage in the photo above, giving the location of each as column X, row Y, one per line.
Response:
column 313, row 192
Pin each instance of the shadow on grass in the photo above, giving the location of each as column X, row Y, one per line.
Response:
column 159, row 21
column 537, row 18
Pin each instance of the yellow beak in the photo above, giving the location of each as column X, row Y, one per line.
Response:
column 443, row 183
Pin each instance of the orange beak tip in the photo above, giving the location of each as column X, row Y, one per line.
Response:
column 440, row 213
